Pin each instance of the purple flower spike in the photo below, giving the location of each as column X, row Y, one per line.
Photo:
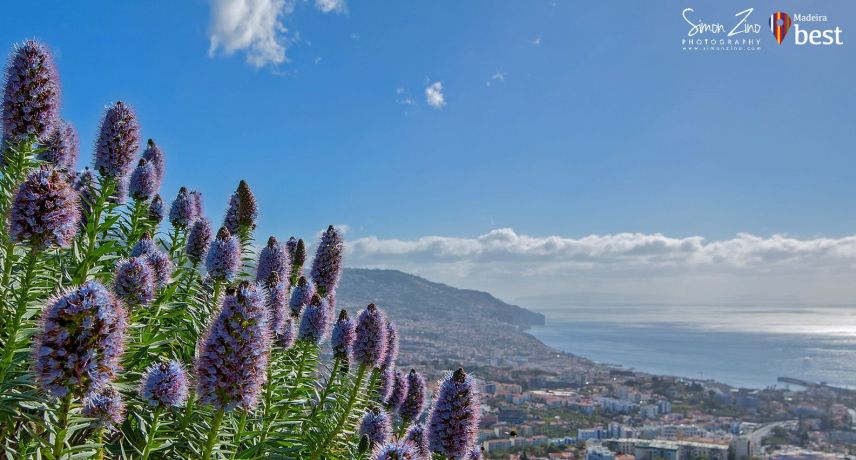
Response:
column 233, row 356
column 277, row 303
column 476, row 454
column 164, row 385
column 145, row 246
column 297, row 255
column 105, row 406
column 198, row 240
column 45, row 210
column 161, row 267
column 300, row 296
column 396, row 451
column 154, row 156
column 291, row 246
column 144, row 182
column 386, row 384
column 183, row 211
column 81, row 340
column 315, row 321
column 414, row 401
column 118, row 142
column 224, row 256
column 61, row 147
column 31, row 95
column 399, row 390
column 454, row 421
column 288, row 335
column 371, row 330
column 273, row 258
column 156, row 210
column 243, row 210
column 343, row 336
column 134, row 281
column 416, row 436
column 377, row 425
column 197, row 203
column 327, row 265
column 84, row 185
column 391, row 345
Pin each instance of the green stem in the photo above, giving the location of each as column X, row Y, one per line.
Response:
column 239, row 433
column 8, row 261
column 212, row 435
column 92, row 227
column 303, row 348
column 215, row 296
column 153, row 430
column 137, row 213
column 327, row 387
column 188, row 414
column 99, row 439
column 268, row 401
column 361, row 373
column 21, row 308
column 61, row 426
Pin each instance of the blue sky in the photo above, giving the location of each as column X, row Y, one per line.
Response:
column 560, row 118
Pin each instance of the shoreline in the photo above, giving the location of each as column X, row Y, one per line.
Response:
column 651, row 350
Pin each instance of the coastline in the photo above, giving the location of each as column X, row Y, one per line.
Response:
column 737, row 359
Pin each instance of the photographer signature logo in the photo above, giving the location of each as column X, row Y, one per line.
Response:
column 780, row 24
column 743, row 34
column 740, row 35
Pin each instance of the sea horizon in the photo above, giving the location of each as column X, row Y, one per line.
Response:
column 722, row 343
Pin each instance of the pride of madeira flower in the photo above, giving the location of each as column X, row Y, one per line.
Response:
column 454, row 421
column 81, row 339
column 233, row 355
column 45, row 210
column 31, row 96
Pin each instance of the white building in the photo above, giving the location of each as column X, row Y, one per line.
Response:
column 599, row 453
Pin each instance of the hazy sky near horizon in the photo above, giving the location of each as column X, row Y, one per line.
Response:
column 546, row 151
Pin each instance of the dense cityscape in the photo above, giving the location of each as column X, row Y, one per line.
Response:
column 538, row 403
column 582, row 410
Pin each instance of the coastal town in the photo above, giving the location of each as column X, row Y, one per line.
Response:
column 540, row 403
column 596, row 412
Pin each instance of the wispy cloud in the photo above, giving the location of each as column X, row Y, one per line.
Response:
column 252, row 26
column 536, row 41
column 403, row 98
column 498, row 76
column 626, row 264
column 434, row 95
column 331, row 6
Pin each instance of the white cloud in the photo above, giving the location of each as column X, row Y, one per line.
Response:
column 627, row 265
column 536, row 41
column 252, row 26
column 434, row 95
column 498, row 76
column 331, row 6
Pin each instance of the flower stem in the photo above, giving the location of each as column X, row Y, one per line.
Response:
column 327, row 387
column 93, row 222
column 153, row 431
column 138, row 209
column 361, row 373
column 99, row 439
column 61, row 426
column 20, row 309
column 239, row 433
column 212, row 435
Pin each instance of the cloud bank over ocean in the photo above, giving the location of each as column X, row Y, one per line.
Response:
column 626, row 267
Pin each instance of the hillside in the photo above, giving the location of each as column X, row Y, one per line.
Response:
column 441, row 322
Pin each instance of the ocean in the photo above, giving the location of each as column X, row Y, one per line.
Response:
column 743, row 346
